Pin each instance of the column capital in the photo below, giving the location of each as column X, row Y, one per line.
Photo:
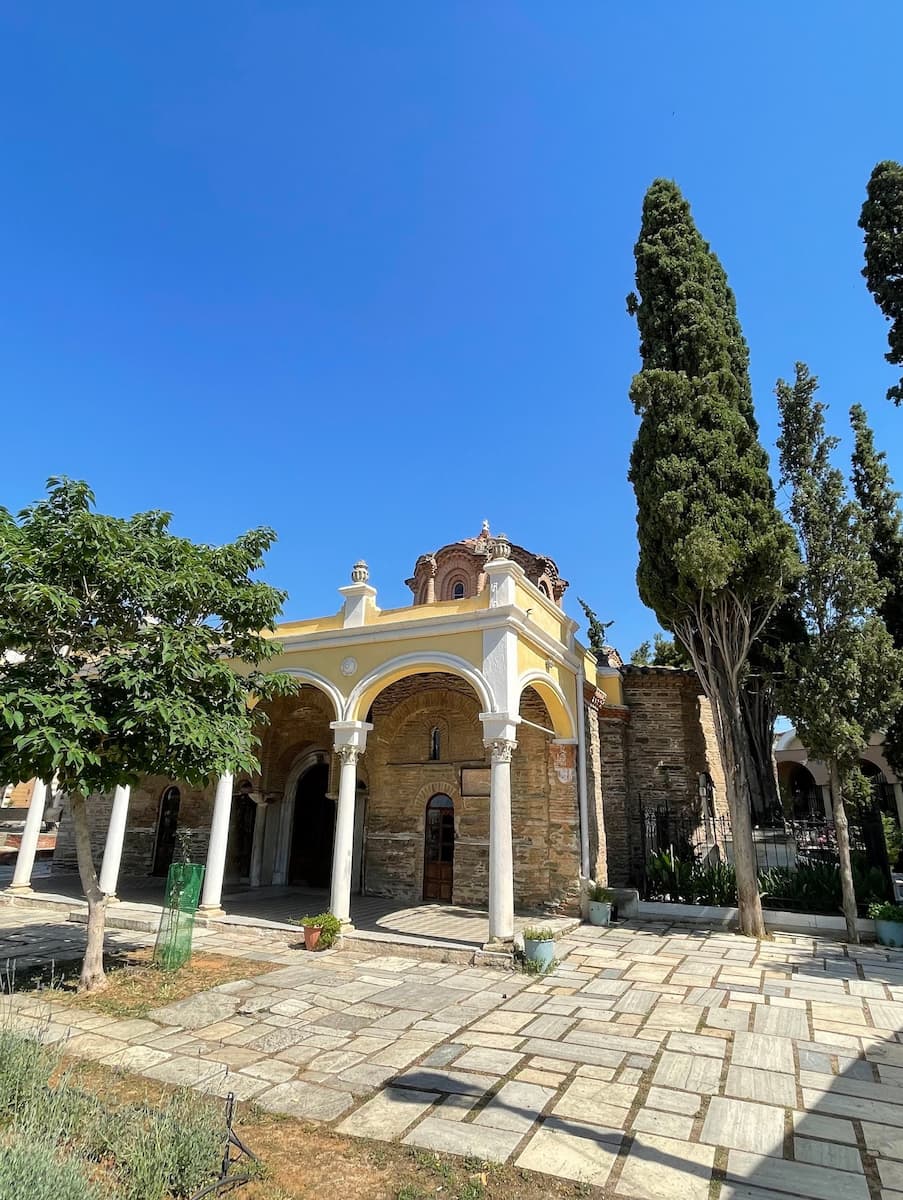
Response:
column 502, row 749
column 348, row 754
column 499, row 725
column 351, row 734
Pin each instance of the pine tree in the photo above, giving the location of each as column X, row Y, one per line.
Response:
column 715, row 556
column 844, row 680
column 882, row 221
column 879, row 501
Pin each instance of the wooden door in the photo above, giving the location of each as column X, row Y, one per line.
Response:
column 439, row 850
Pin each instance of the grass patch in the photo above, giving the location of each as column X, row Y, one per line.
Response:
column 136, row 984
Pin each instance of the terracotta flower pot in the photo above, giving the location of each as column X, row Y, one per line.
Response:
column 312, row 936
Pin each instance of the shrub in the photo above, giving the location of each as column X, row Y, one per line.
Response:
column 539, row 935
column 598, row 894
column 886, row 912
column 30, row 1170
column 331, row 927
column 893, row 838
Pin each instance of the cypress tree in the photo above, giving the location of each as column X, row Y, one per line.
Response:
column 844, row 680
column 882, row 221
column 715, row 556
column 873, row 486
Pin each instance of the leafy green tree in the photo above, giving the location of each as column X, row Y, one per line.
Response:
column 845, row 680
column 882, row 221
column 126, row 651
column 874, row 489
column 642, row 656
column 715, row 556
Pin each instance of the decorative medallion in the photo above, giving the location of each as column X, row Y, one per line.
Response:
column 349, row 666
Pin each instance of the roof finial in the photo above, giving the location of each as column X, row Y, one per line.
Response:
column 485, row 531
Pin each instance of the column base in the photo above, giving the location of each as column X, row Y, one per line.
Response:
column 20, row 889
column 112, row 898
column 210, row 910
column 500, row 944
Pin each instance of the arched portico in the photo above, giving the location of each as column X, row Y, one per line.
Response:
column 365, row 692
column 555, row 701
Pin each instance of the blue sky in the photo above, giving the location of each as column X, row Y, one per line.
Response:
column 358, row 270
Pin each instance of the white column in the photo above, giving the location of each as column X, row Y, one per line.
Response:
column 29, row 844
column 501, row 849
column 260, row 823
column 112, row 852
column 212, row 895
column 350, row 742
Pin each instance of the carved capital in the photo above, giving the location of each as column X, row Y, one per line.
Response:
column 502, row 749
column 348, row 754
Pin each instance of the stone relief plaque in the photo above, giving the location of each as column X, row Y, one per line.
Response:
column 475, row 781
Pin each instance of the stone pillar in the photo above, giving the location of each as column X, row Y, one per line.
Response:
column 501, row 848
column 29, row 844
column 211, row 898
column 112, row 853
column 350, row 742
column 826, row 801
column 260, row 824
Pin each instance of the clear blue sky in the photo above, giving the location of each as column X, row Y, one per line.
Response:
column 358, row 270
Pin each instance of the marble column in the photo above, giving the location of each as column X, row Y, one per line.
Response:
column 29, row 845
column 112, row 853
column 501, row 848
column 350, row 742
column 211, row 897
column 260, row 825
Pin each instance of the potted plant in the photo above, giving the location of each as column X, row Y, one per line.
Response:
column 600, row 901
column 539, row 947
column 888, row 920
column 320, row 931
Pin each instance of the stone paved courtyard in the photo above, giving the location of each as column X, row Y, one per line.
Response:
column 655, row 1063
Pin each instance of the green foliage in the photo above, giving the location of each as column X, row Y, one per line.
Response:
column 642, row 656
column 36, row 1171
column 882, row 221
column 886, row 912
column 596, row 628
column 330, row 926
column 845, row 680
column 125, row 650
column 893, row 838
column 661, row 652
column 707, row 521
column 685, row 882
column 533, row 934
column 168, row 1150
column 599, row 894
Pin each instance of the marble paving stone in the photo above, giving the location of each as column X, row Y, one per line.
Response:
column 455, row 1107
column 466, row 1083
column 799, row 1179
column 242, row 1086
column 769, row 1087
column 494, row 1062
column 666, row 1124
column 831, row 1129
column 197, row 1011
column 311, row 1101
column 890, row 1174
column 586, row 1097
column 389, row 1114
column 477, row 1141
column 662, row 1168
column 886, row 1140
column 184, row 1071
column 547, row 1027
column 581, row 1152
column 515, row 1106
column 672, row 1101
column 694, row 1043
column 567, row 1052
column 780, row 1022
column 826, row 1154
column 271, row 1069
column 136, row 1058
column 740, row 1125
column 727, row 1018
column 764, row 1053
column 94, row 1045
column 690, row 1074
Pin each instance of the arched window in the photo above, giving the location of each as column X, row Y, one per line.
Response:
column 458, row 590
column 435, row 744
column 544, row 588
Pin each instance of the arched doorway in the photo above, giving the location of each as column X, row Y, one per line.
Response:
column 439, row 849
column 167, row 823
column 313, row 829
column 805, row 803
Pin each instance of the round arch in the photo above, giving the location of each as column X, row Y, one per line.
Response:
column 553, row 698
column 365, row 692
column 322, row 684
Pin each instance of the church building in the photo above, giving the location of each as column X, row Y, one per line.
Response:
column 465, row 749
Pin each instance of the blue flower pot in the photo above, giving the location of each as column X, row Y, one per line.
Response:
column 540, row 952
column 599, row 912
column 890, row 933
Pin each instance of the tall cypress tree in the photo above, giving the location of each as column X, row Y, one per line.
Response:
column 882, row 221
column 879, row 502
column 715, row 556
column 844, row 681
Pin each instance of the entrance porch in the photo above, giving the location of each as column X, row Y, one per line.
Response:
column 376, row 919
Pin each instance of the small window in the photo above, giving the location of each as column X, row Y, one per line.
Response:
column 435, row 744
column 544, row 588
column 458, row 591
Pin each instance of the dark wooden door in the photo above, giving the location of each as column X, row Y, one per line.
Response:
column 166, row 830
column 439, row 850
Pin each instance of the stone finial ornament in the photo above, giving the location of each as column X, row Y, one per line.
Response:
column 500, row 547
column 360, row 572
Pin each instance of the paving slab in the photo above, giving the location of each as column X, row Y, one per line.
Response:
column 572, row 1150
column 768, row 1087
column 389, row 1114
column 662, row 1168
column 688, row 1073
column 799, row 1179
column 827, row 1154
column 740, row 1125
column 515, row 1106
column 465, row 1083
column 458, row 1137
column 197, row 1011
column 312, row 1101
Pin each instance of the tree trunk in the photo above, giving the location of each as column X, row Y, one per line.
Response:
column 758, row 708
column 735, row 757
column 92, row 978
column 842, row 833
